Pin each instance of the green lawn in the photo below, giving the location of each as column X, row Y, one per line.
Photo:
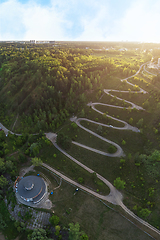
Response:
column 71, row 169
column 97, row 220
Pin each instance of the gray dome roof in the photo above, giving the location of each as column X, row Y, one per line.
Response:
column 28, row 184
column 31, row 187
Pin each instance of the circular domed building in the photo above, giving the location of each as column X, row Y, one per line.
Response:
column 31, row 188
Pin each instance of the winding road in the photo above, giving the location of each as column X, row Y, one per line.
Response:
column 114, row 197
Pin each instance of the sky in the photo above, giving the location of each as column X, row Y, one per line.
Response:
column 80, row 20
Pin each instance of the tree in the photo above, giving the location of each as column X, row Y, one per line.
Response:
column 130, row 120
column 3, row 182
column 74, row 125
column 119, row 184
column 145, row 212
column 2, row 136
column 22, row 158
column 112, row 149
column 63, row 140
column 151, row 191
column 84, row 237
column 74, row 233
column 36, row 161
column 140, row 123
column 2, row 165
column 2, row 223
column 54, row 220
column 156, row 131
column 80, row 180
column 99, row 129
column 82, row 114
column 122, row 160
column 38, row 234
column 34, row 149
column 57, row 228
column 9, row 165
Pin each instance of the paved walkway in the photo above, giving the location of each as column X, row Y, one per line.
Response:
column 149, row 72
column 118, row 153
column 7, row 130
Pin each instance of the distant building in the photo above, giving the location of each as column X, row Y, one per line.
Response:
column 32, row 41
column 41, row 42
column 52, row 42
column 123, row 49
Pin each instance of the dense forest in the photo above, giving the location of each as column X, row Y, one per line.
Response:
column 44, row 85
column 41, row 87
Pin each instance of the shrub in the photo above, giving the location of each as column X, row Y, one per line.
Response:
column 64, row 141
column 54, row 220
column 144, row 212
column 112, row 149
column 80, row 180
column 122, row 160
column 119, row 184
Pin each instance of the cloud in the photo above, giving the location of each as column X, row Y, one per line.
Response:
column 95, row 29
column 59, row 20
column 30, row 21
column 140, row 22
column 102, row 20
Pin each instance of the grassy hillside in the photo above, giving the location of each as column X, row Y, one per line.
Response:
column 41, row 87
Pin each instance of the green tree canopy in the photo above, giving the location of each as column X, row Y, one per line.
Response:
column 99, row 129
column 54, row 220
column 36, row 161
column 140, row 123
column 63, row 140
column 2, row 165
column 119, row 184
column 75, row 233
column 38, row 234
column 74, row 125
column 3, row 182
column 34, row 149
column 145, row 212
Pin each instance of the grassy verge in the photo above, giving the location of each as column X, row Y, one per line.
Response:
column 122, row 135
column 98, row 221
column 71, row 169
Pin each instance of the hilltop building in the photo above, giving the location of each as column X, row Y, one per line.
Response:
column 31, row 189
